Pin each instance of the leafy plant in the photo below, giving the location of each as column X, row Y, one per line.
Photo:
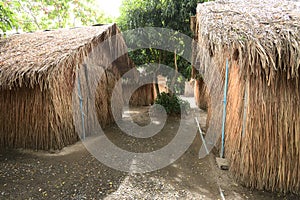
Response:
column 32, row 15
column 169, row 14
column 172, row 103
column 7, row 18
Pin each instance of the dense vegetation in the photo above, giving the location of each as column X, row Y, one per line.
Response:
column 31, row 15
column 169, row 14
column 7, row 18
column 172, row 103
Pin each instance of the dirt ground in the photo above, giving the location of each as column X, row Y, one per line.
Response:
column 74, row 173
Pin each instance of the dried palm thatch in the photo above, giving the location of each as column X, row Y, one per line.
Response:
column 261, row 40
column 39, row 73
column 201, row 96
column 135, row 90
column 143, row 96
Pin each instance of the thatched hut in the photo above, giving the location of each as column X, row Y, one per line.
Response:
column 261, row 41
column 142, row 96
column 38, row 74
column 134, row 89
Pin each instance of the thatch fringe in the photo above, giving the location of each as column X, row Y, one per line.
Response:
column 256, row 31
column 264, row 146
column 261, row 41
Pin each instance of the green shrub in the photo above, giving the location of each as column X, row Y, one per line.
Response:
column 172, row 103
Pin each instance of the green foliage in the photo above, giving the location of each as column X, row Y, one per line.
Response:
column 169, row 14
column 52, row 14
column 7, row 18
column 172, row 103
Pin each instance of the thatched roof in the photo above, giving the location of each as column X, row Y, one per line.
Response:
column 31, row 57
column 262, row 33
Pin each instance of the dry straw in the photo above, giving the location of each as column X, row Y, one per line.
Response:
column 142, row 96
column 261, row 40
column 38, row 74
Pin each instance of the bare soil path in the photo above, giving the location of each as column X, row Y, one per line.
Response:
column 74, row 173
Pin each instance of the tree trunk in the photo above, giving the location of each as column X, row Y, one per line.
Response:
column 175, row 75
column 155, row 76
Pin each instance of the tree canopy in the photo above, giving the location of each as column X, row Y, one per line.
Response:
column 169, row 14
column 7, row 18
column 31, row 15
column 159, row 13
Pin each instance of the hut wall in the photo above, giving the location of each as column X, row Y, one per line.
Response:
column 201, row 94
column 112, row 79
column 32, row 118
column 97, row 78
column 263, row 143
column 27, row 120
column 143, row 96
column 96, row 88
